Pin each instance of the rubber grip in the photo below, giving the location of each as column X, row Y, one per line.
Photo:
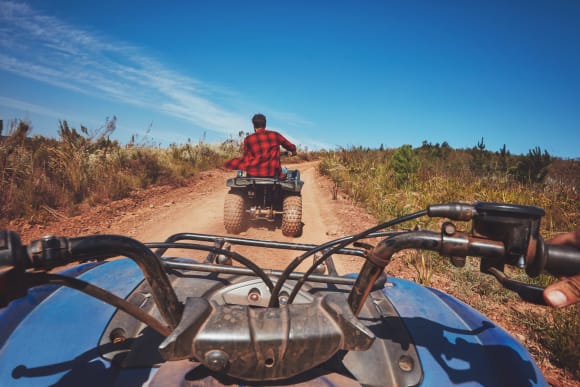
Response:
column 562, row 261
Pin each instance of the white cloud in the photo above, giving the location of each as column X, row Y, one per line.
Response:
column 29, row 107
column 45, row 49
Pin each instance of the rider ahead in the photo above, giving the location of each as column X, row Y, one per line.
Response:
column 261, row 151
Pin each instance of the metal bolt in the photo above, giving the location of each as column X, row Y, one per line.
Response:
column 406, row 363
column 216, row 360
column 283, row 299
column 224, row 260
column 118, row 335
column 449, row 228
column 254, row 295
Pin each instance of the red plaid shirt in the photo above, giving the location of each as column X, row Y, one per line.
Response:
column 261, row 154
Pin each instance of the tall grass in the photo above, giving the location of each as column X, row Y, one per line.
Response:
column 374, row 178
column 393, row 182
column 86, row 166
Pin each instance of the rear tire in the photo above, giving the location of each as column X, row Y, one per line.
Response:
column 292, row 216
column 235, row 216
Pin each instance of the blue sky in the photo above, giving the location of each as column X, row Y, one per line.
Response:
column 325, row 73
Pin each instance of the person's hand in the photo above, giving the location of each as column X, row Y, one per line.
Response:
column 294, row 153
column 567, row 290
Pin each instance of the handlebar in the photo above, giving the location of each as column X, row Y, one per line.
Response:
column 51, row 251
column 561, row 261
column 501, row 234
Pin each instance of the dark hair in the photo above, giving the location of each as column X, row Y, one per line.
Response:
column 259, row 121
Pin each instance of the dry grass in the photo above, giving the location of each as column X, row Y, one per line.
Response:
column 83, row 166
column 388, row 188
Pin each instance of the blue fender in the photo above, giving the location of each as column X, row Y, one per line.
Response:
column 56, row 342
column 457, row 345
column 51, row 336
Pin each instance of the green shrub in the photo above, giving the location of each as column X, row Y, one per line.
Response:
column 405, row 164
column 533, row 167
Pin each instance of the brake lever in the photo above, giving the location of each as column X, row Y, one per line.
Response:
column 527, row 292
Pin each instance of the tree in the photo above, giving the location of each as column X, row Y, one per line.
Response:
column 405, row 164
column 534, row 167
column 479, row 158
column 504, row 156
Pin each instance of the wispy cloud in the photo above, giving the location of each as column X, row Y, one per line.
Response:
column 29, row 107
column 45, row 49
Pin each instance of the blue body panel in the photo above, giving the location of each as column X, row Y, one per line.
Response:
column 56, row 342
column 458, row 345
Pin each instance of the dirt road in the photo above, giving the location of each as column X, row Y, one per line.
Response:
column 201, row 211
column 154, row 214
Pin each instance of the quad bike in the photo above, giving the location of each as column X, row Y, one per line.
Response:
column 264, row 198
column 157, row 320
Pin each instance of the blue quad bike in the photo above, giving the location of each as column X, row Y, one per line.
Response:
column 157, row 320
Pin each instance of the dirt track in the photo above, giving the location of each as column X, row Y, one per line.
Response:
column 201, row 211
column 154, row 214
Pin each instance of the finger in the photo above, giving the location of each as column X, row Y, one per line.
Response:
column 563, row 293
column 570, row 238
